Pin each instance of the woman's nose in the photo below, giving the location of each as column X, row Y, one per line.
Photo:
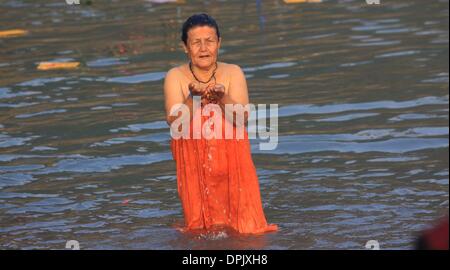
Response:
column 203, row 46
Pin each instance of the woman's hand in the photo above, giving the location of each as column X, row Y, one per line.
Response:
column 214, row 93
column 195, row 90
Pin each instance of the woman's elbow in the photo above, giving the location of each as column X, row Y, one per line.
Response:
column 169, row 120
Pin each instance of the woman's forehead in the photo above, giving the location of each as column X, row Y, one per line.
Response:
column 202, row 32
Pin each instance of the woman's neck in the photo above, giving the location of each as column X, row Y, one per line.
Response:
column 204, row 74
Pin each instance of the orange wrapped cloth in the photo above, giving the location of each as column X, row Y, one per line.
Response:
column 217, row 183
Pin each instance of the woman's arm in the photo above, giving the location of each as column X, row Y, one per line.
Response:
column 173, row 95
column 237, row 95
column 237, row 92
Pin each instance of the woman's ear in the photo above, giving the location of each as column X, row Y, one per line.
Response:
column 184, row 47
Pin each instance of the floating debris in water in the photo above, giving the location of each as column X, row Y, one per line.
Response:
column 57, row 65
column 126, row 201
column 13, row 33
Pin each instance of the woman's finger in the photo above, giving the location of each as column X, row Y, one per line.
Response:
column 219, row 88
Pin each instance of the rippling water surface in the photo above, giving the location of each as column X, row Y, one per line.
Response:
column 363, row 94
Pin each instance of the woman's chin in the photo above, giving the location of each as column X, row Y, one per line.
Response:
column 204, row 63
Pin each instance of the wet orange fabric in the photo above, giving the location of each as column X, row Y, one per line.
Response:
column 218, row 184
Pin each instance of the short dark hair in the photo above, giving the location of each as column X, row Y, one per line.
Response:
column 202, row 19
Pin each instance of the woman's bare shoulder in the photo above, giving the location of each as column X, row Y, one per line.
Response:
column 227, row 66
column 179, row 72
column 174, row 71
column 230, row 69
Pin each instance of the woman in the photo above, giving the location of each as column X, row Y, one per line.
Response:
column 217, row 181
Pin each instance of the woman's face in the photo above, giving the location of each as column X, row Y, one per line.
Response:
column 202, row 46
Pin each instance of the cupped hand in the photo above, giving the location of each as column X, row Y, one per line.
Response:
column 214, row 93
column 195, row 89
